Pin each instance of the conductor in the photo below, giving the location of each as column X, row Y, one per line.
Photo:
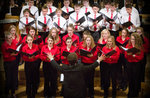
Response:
column 74, row 84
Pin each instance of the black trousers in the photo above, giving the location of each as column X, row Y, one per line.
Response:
column 134, row 79
column 43, row 35
column 143, row 65
column 31, row 72
column 11, row 74
column 95, row 35
column 50, row 79
column 108, row 72
column 122, row 71
column 89, row 80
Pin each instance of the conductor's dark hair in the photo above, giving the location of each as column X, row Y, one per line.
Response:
column 128, row 6
column 72, row 58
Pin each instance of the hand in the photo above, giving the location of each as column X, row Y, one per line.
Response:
column 30, row 57
column 90, row 55
column 133, row 55
column 13, row 54
column 129, row 53
column 50, row 56
column 102, row 57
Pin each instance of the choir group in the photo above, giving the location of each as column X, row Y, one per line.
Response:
column 87, row 31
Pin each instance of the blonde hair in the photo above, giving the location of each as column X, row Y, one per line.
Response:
column 7, row 34
column 58, row 9
column 103, row 31
column 56, row 40
column 17, row 34
column 113, row 42
column 71, row 26
column 92, row 42
column 138, row 41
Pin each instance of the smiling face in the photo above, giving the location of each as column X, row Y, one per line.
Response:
column 109, row 42
column 32, row 33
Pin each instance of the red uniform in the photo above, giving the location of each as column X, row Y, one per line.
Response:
column 74, row 38
column 57, row 44
column 103, row 43
column 138, row 56
column 6, row 54
column 54, row 51
column 39, row 45
column 72, row 50
column 26, row 49
column 17, row 41
column 113, row 58
column 146, row 45
column 89, row 60
column 119, row 39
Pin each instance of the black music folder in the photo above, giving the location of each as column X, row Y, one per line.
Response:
column 85, row 52
column 29, row 24
column 88, row 13
column 52, row 14
column 81, row 20
column 43, row 24
column 37, row 41
column 30, row 55
column 56, row 25
column 124, row 44
column 127, row 24
column 15, row 51
column 100, row 45
column 99, row 18
column 131, row 50
column 66, row 14
column 33, row 14
column 65, row 53
column 110, row 53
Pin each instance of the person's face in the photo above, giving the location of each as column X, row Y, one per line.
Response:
column 44, row 11
column 69, row 42
column 112, row 8
column 139, row 31
column 95, row 9
column 124, row 33
column 84, row 36
column 58, row 13
column 9, row 38
column 85, row 3
column 109, row 42
column 107, row 6
column 105, row 35
column 49, row 4
column 31, row 3
column 88, row 42
column 129, row 10
column 13, row 31
column 50, row 41
column 54, row 33
column 32, row 32
column 66, row 3
column 29, row 40
column 70, row 31
column 77, row 9
column 26, row 14
column 132, row 40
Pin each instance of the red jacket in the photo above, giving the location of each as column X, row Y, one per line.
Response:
column 146, row 45
column 119, row 39
column 138, row 56
column 18, row 42
column 103, row 42
column 6, row 54
column 39, row 45
column 74, row 37
column 89, row 60
column 72, row 50
column 26, row 49
column 59, row 44
column 113, row 58
column 54, row 51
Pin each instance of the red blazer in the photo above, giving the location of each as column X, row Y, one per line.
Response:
column 74, row 37
column 113, row 58
column 72, row 49
column 26, row 49
column 90, row 60
column 103, row 42
column 54, row 51
column 146, row 45
column 137, row 58
column 119, row 39
column 18, row 42
column 59, row 44
column 7, row 55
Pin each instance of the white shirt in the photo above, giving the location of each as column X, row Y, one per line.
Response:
column 104, row 11
column 90, row 23
column 123, row 10
column 89, row 9
column 115, row 27
column 33, row 10
column 65, row 9
column 135, row 19
column 73, row 17
column 53, row 10
column 22, row 26
column 63, row 23
column 48, row 21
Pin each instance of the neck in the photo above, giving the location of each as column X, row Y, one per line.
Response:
column 30, row 46
column 8, row 42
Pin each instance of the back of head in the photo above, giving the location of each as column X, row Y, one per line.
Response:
column 72, row 58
